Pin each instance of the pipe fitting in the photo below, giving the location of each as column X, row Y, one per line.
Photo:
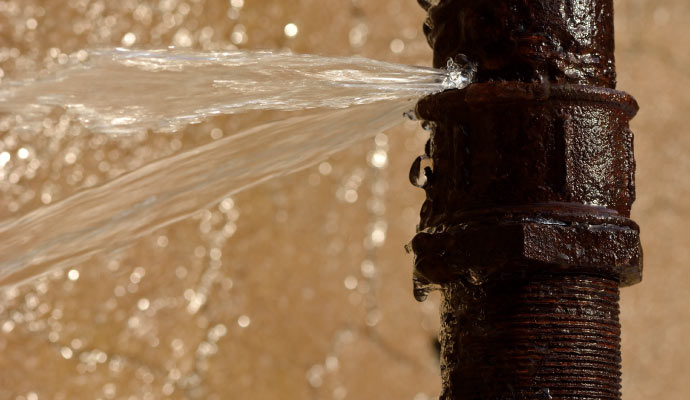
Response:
column 529, row 180
column 529, row 174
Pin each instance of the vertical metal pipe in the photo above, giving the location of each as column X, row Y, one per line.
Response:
column 526, row 223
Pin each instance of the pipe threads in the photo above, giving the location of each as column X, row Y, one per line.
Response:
column 538, row 337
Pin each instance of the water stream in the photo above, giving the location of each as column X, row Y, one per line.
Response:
column 126, row 91
column 120, row 92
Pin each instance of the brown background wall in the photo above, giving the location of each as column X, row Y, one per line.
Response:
column 284, row 295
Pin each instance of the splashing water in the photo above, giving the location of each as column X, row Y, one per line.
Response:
column 123, row 92
column 459, row 72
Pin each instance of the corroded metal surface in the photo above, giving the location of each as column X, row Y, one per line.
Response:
column 564, row 41
column 529, row 172
column 529, row 183
column 542, row 337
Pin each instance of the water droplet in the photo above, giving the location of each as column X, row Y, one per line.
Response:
column 325, row 168
column 8, row 326
column 315, row 375
column 143, row 304
column 351, row 195
column 73, row 275
column 23, row 153
column 410, row 114
column 239, row 34
column 332, row 363
column 162, row 241
column 183, row 38
column 358, row 35
column 350, row 282
column 291, row 30
column 428, row 125
column 243, row 321
column 379, row 158
column 397, row 46
column 421, row 288
column 129, row 39
column 378, row 233
column 421, row 171
column 76, row 344
column 368, row 268
column 373, row 317
column 4, row 158
column 381, row 139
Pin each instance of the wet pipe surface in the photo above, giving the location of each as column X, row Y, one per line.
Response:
column 526, row 222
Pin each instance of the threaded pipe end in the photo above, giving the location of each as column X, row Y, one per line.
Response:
column 547, row 336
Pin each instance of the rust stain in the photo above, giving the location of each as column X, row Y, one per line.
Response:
column 529, row 188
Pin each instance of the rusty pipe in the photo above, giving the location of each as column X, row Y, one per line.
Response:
column 526, row 223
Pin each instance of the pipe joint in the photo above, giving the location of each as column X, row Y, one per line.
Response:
column 528, row 174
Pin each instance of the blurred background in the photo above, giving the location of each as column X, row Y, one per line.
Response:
column 299, row 288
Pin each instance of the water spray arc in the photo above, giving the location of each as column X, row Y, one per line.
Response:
column 342, row 100
column 526, row 223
